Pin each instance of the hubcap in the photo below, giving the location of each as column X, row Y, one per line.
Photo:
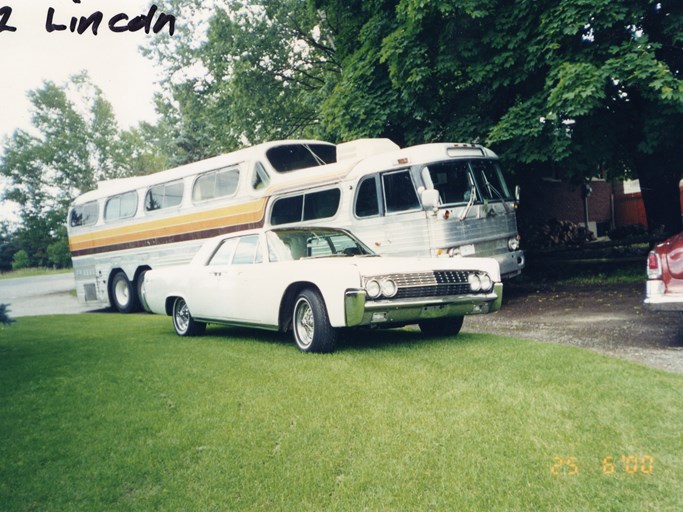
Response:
column 182, row 316
column 304, row 323
column 122, row 293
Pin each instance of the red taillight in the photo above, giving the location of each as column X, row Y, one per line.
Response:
column 654, row 267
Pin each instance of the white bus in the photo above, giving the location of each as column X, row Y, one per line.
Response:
column 440, row 200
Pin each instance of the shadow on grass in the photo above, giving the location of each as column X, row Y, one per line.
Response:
column 349, row 339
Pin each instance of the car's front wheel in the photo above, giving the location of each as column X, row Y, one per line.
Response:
column 311, row 325
column 183, row 322
column 449, row 326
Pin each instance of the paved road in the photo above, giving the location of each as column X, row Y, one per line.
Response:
column 41, row 295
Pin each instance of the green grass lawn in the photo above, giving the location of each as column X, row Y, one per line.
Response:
column 106, row 412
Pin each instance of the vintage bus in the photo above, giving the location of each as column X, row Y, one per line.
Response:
column 438, row 200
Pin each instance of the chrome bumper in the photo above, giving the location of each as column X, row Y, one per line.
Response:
column 511, row 264
column 359, row 311
column 656, row 298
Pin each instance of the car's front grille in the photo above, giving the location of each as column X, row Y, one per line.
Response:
column 438, row 283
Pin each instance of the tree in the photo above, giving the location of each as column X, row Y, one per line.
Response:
column 586, row 87
column 58, row 253
column 71, row 146
column 20, row 260
column 260, row 73
column 8, row 246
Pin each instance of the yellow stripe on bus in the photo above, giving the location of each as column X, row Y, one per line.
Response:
column 170, row 226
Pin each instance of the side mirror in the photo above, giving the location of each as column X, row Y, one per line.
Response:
column 517, row 193
column 430, row 199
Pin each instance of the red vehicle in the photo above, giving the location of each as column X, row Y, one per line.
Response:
column 664, row 289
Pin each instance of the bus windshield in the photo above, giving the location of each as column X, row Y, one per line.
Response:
column 490, row 180
column 455, row 181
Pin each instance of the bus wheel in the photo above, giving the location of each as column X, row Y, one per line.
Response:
column 123, row 294
column 183, row 322
column 311, row 325
column 449, row 326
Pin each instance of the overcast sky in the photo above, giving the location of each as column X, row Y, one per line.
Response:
column 31, row 54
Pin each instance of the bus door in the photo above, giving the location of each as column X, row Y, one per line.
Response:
column 388, row 215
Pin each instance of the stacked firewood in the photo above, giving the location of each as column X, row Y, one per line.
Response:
column 554, row 233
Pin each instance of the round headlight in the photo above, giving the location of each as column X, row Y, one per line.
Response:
column 475, row 282
column 513, row 244
column 486, row 282
column 389, row 288
column 373, row 289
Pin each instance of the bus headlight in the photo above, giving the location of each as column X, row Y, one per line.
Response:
column 373, row 288
column 389, row 288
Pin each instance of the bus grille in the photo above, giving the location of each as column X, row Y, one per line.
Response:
column 90, row 292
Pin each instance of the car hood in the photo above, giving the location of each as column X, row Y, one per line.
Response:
column 367, row 266
column 370, row 266
column 672, row 250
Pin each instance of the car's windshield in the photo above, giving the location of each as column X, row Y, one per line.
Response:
column 296, row 244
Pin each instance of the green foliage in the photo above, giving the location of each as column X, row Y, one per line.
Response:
column 100, row 412
column 587, row 88
column 20, row 260
column 74, row 144
column 258, row 74
column 5, row 319
column 58, row 253
column 7, row 246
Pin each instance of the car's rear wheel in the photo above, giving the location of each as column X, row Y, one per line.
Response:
column 449, row 326
column 183, row 322
column 311, row 325
column 123, row 294
column 138, row 288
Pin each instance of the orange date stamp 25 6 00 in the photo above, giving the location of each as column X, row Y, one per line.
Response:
column 610, row 465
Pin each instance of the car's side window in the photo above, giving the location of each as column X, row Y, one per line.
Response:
column 247, row 251
column 224, row 253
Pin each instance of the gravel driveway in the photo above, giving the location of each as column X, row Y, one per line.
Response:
column 609, row 319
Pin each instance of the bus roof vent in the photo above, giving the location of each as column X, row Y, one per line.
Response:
column 364, row 148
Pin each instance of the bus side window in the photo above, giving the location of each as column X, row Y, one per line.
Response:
column 84, row 215
column 311, row 206
column 367, row 199
column 122, row 206
column 399, row 192
column 215, row 184
column 286, row 210
column 321, row 205
column 165, row 195
column 260, row 179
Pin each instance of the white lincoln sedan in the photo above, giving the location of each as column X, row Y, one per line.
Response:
column 313, row 281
